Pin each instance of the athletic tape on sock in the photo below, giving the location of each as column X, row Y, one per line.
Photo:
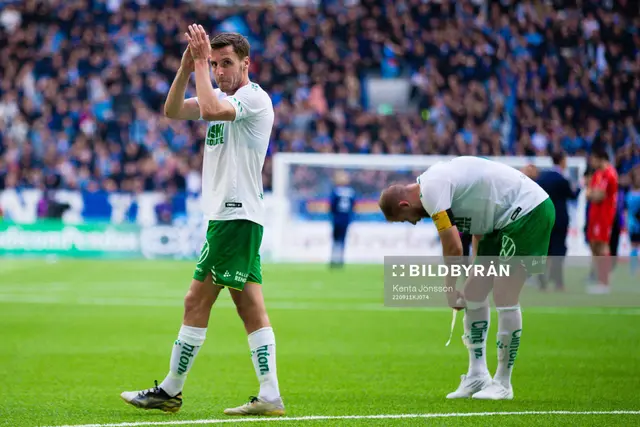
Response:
column 514, row 308
column 474, row 305
column 453, row 325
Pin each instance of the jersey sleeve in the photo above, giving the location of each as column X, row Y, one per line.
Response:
column 436, row 195
column 250, row 102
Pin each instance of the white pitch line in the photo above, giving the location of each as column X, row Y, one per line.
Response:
column 352, row 417
column 57, row 299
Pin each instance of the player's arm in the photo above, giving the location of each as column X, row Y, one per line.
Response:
column 448, row 232
column 211, row 108
column 597, row 191
column 569, row 191
column 595, row 194
column 436, row 195
column 176, row 107
column 333, row 203
column 450, row 241
column 189, row 110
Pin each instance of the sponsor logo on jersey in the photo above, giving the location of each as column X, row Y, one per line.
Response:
column 215, row 135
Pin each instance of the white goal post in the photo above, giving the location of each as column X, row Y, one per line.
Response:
column 297, row 238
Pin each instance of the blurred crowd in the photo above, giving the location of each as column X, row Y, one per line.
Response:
column 82, row 83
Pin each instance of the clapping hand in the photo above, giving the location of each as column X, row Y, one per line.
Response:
column 199, row 43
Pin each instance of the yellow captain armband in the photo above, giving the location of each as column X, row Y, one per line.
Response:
column 443, row 220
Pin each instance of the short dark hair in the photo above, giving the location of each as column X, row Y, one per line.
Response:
column 600, row 153
column 558, row 157
column 240, row 44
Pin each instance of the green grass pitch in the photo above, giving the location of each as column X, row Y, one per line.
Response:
column 74, row 334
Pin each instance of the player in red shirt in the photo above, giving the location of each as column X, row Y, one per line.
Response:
column 602, row 192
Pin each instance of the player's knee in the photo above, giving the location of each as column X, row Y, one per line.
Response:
column 251, row 311
column 191, row 302
column 475, row 305
column 242, row 308
column 247, row 309
column 477, row 289
column 253, row 317
column 197, row 300
column 505, row 300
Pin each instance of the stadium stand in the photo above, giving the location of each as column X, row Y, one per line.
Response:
column 82, row 83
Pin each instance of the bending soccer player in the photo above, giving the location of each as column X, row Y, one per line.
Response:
column 240, row 116
column 510, row 218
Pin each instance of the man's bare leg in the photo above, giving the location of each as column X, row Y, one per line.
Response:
column 262, row 343
column 506, row 295
column 167, row 396
column 477, row 315
column 602, row 266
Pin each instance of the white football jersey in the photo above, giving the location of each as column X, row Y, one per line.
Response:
column 483, row 195
column 234, row 155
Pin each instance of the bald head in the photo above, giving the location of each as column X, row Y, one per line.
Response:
column 390, row 200
column 400, row 203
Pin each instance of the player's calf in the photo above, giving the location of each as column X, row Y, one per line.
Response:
column 509, row 333
column 476, row 327
column 508, row 343
column 506, row 296
column 262, row 344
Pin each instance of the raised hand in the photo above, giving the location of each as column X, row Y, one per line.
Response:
column 187, row 63
column 199, row 44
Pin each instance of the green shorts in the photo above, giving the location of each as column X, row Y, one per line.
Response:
column 524, row 241
column 231, row 254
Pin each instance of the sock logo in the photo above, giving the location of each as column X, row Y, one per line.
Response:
column 478, row 329
column 185, row 356
column 263, row 362
column 513, row 347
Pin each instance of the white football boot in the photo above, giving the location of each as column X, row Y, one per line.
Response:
column 495, row 391
column 470, row 385
column 257, row 406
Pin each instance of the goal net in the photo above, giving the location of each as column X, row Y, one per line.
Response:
column 299, row 224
